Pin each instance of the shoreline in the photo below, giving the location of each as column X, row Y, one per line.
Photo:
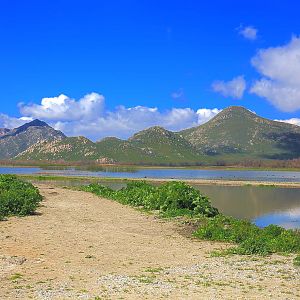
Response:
column 220, row 182
column 225, row 168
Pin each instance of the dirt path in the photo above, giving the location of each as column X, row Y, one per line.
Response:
column 82, row 247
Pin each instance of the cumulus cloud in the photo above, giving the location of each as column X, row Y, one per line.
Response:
column 123, row 122
column 11, row 122
column 294, row 121
column 89, row 117
column 280, row 70
column 248, row 32
column 205, row 114
column 234, row 88
column 63, row 108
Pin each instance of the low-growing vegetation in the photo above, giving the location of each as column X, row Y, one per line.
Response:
column 297, row 261
column 172, row 197
column 250, row 238
column 177, row 199
column 17, row 197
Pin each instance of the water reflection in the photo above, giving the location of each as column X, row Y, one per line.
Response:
column 289, row 219
column 263, row 205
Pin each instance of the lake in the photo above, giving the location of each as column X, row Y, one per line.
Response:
column 262, row 205
column 120, row 172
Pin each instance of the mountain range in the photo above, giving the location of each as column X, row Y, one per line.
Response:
column 233, row 135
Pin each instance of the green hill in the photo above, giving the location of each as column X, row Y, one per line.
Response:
column 233, row 135
column 237, row 132
column 121, row 151
column 164, row 145
column 152, row 145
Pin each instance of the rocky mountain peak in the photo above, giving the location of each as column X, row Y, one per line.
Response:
column 4, row 131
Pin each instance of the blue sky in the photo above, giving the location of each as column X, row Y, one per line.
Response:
column 149, row 57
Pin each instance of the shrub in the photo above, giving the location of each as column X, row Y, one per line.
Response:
column 250, row 238
column 138, row 193
column 175, row 197
column 17, row 197
column 179, row 195
column 99, row 190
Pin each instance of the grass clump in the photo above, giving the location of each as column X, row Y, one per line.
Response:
column 172, row 198
column 250, row 238
column 297, row 261
column 16, row 276
column 17, row 198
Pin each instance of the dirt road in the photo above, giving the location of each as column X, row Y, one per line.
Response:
column 79, row 246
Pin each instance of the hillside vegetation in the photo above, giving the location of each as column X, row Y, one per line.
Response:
column 237, row 131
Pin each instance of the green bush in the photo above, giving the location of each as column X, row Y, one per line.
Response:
column 178, row 198
column 17, row 197
column 179, row 195
column 99, row 190
column 250, row 238
column 138, row 193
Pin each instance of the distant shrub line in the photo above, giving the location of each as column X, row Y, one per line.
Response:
column 178, row 198
column 17, row 198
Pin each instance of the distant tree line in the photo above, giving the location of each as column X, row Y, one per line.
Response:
column 248, row 163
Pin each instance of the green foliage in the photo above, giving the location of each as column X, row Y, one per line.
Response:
column 17, row 197
column 172, row 198
column 173, row 213
column 99, row 190
column 297, row 261
column 250, row 238
column 179, row 195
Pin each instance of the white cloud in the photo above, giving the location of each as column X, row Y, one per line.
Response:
column 248, row 32
column 280, row 70
column 88, row 116
column 205, row 114
column 11, row 122
column 294, row 121
column 234, row 88
column 123, row 122
column 63, row 108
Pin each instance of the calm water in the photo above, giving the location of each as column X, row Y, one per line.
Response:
column 275, row 176
column 262, row 205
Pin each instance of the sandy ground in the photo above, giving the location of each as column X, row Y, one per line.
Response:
column 79, row 246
